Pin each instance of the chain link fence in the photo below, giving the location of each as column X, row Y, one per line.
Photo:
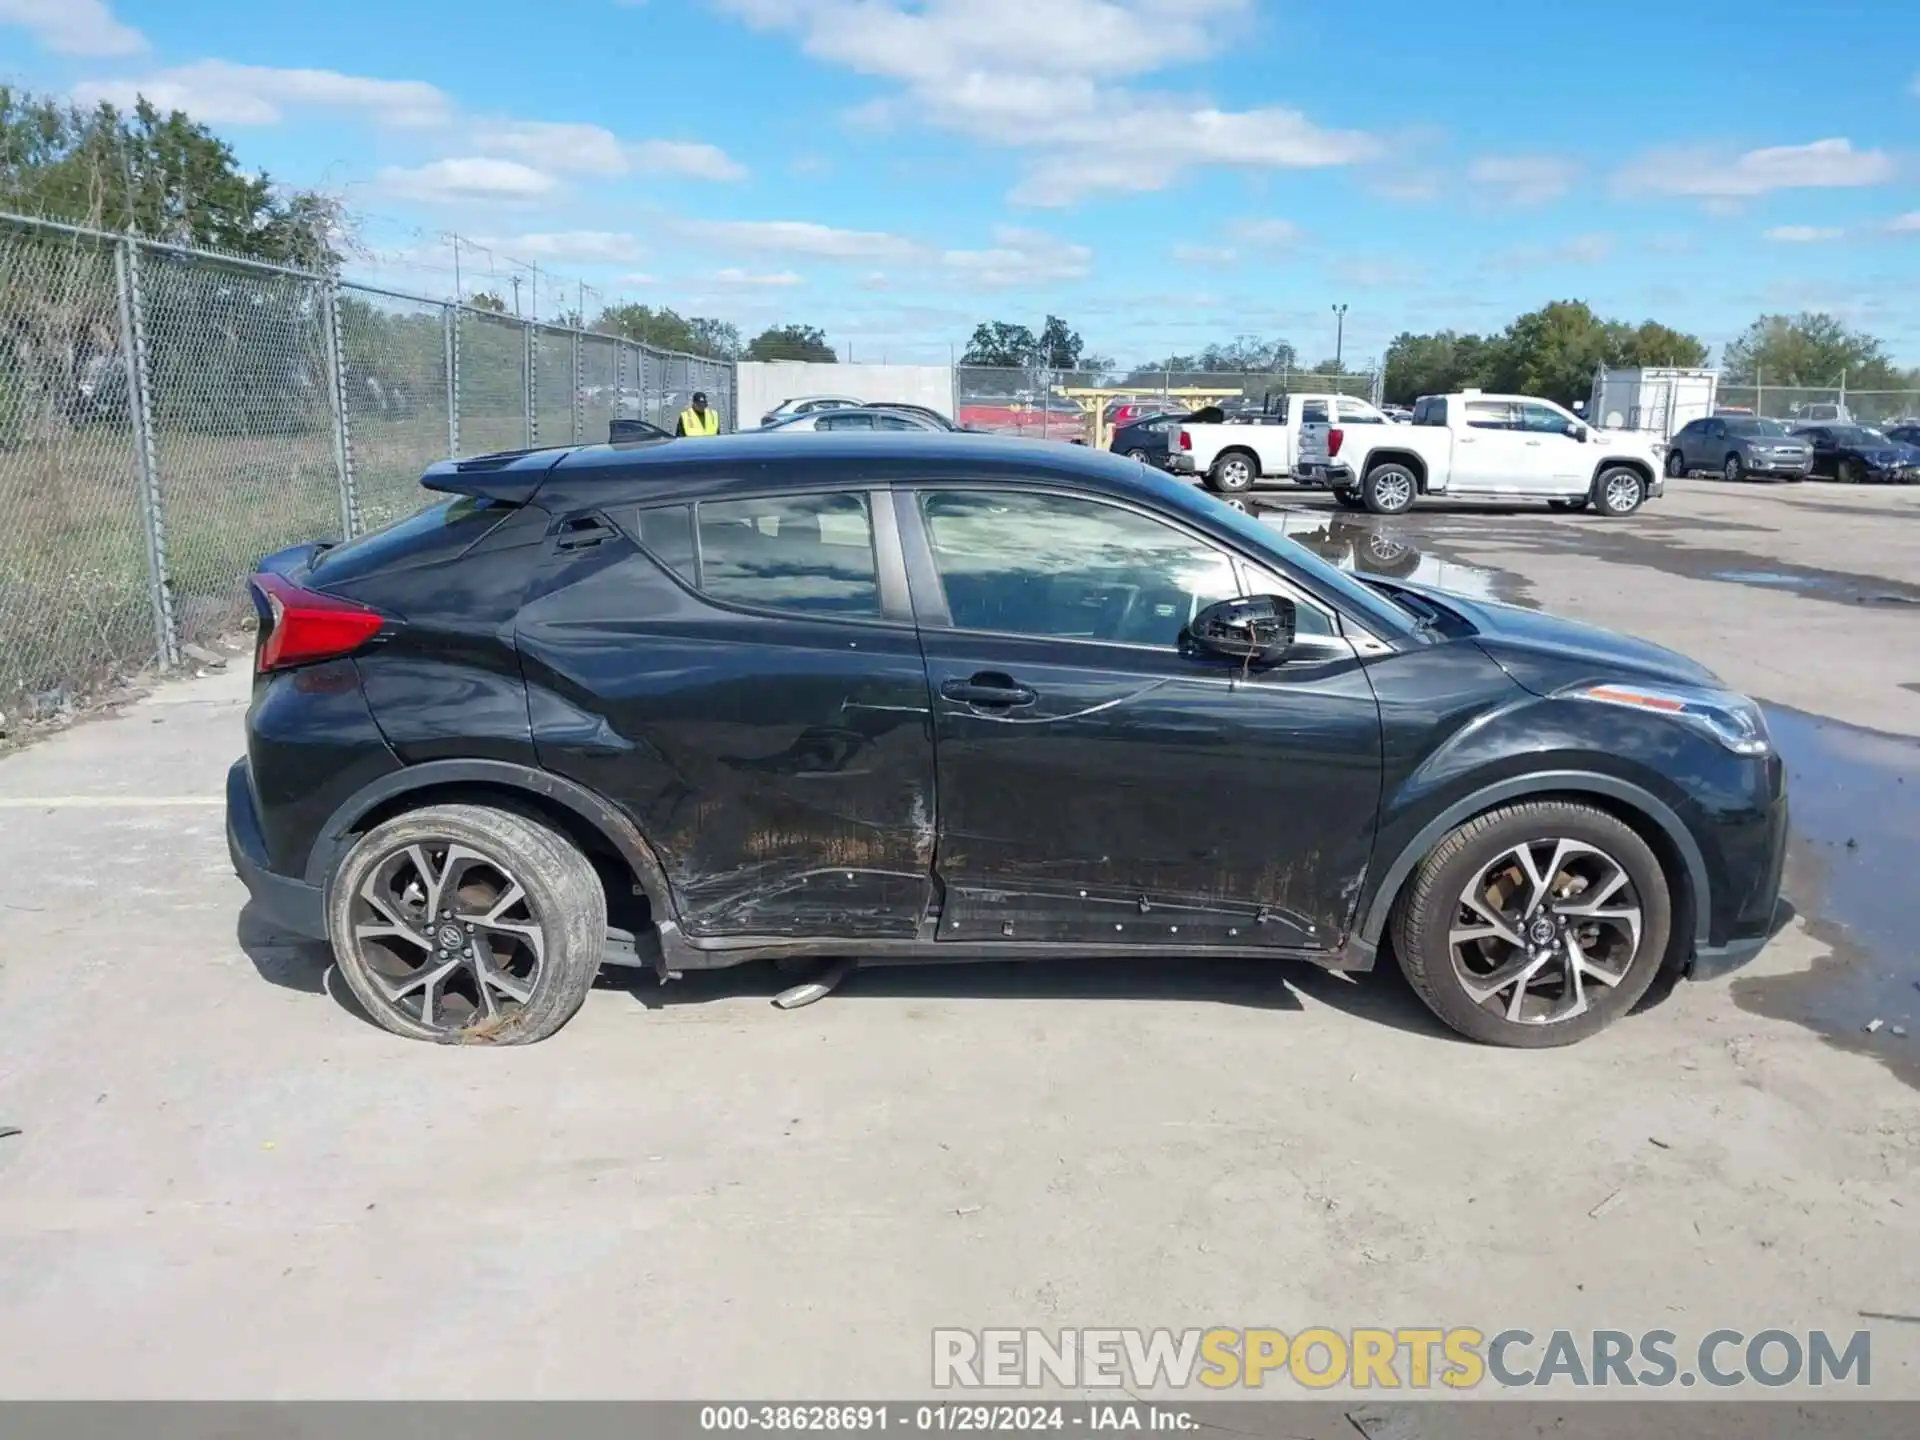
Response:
column 1814, row 404
column 168, row 416
column 1047, row 404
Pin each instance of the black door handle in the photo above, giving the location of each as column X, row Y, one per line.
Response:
column 584, row 532
column 988, row 689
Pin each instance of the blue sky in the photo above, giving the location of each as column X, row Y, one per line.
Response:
column 1164, row 173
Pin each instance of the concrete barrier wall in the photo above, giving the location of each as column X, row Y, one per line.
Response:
column 765, row 383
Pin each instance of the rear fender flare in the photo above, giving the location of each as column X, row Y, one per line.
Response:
column 605, row 818
column 1521, row 787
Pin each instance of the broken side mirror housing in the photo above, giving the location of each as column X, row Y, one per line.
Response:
column 1254, row 629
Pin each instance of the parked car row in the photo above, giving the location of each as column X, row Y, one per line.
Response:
column 1741, row 447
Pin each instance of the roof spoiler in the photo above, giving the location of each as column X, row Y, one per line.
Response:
column 510, row 476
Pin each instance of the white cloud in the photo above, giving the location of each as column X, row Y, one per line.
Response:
column 474, row 178
column 1020, row 257
column 1266, row 234
column 1202, row 254
column 732, row 276
column 1907, row 224
column 1524, row 179
column 580, row 247
column 688, row 158
column 73, row 27
column 1041, row 79
column 571, row 149
column 798, row 237
column 217, row 92
column 1705, row 173
column 636, row 277
column 1801, row 234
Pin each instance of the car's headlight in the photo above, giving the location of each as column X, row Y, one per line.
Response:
column 1734, row 720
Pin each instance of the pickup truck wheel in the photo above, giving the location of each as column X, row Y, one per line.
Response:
column 1618, row 491
column 1389, row 489
column 1349, row 499
column 1234, row 471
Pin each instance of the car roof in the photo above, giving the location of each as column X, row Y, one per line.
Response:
column 717, row 465
column 802, row 399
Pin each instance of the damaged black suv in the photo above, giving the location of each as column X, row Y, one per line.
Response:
column 904, row 697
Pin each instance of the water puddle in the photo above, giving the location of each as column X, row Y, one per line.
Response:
column 1829, row 585
column 1855, row 797
column 1369, row 547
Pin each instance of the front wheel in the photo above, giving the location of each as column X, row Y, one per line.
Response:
column 467, row 925
column 1734, row 470
column 1846, row 474
column 1233, row 472
column 1534, row 925
column 1676, row 465
column 1389, row 489
column 1618, row 491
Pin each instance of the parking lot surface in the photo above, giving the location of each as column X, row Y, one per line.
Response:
column 228, row 1184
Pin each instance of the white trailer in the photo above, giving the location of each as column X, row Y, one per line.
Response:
column 1655, row 401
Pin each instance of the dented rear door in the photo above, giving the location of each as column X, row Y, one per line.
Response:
column 741, row 679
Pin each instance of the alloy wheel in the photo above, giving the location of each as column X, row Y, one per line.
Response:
column 1623, row 493
column 447, row 935
column 1541, row 925
column 1235, row 473
column 1733, row 471
column 1393, row 491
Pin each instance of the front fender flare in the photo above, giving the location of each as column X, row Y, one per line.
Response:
column 1521, row 787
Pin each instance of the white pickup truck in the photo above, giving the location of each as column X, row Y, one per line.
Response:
column 1496, row 447
column 1239, row 455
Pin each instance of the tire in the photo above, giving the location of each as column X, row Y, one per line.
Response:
column 1389, row 489
column 1596, row 847
column 1349, row 500
column 1137, row 454
column 1733, row 472
column 1846, row 474
column 1618, row 491
column 1234, row 472
column 542, row 951
column 1676, row 465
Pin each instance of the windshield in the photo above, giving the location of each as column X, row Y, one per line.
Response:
column 1366, row 604
column 1756, row 427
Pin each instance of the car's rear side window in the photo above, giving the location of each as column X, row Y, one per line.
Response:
column 667, row 533
column 809, row 554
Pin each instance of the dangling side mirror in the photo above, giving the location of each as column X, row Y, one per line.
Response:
column 1255, row 629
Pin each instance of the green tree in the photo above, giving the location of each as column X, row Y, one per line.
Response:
column 1437, row 364
column 165, row 177
column 1807, row 349
column 666, row 329
column 1656, row 344
column 1000, row 343
column 1552, row 352
column 487, row 300
column 791, row 342
column 1059, row 345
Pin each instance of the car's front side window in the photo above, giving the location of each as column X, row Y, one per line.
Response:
column 810, row 554
column 1066, row 567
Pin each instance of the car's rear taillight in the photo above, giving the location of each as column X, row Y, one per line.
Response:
column 299, row 626
column 1334, row 437
column 1186, row 441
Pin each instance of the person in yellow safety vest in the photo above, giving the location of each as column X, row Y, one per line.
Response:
column 698, row 420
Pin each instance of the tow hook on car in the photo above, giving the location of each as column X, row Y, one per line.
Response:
column 824, row 982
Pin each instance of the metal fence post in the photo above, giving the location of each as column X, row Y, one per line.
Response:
column 337, row 404
column 579, row 392
column 533, row 386
column 452, row 327
column 146, row 462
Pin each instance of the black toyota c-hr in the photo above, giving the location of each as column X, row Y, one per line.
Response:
column 883, row 698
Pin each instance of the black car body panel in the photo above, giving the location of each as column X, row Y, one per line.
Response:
column 1866, row 456
column 879, row 781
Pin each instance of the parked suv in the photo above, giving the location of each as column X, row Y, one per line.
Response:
column 915, row 697
column 1738, row 447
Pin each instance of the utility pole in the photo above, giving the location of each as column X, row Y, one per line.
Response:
column 1339, row 334
column 580, row 314
column 516, row 295
column 458, row 297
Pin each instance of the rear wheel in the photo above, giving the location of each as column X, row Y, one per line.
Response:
column 1233, row 472
column 467, row 925
column 1137, row 454
column 1534, row 925
column 1618, row 491
column 1734, row 470
column 1389, row 489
